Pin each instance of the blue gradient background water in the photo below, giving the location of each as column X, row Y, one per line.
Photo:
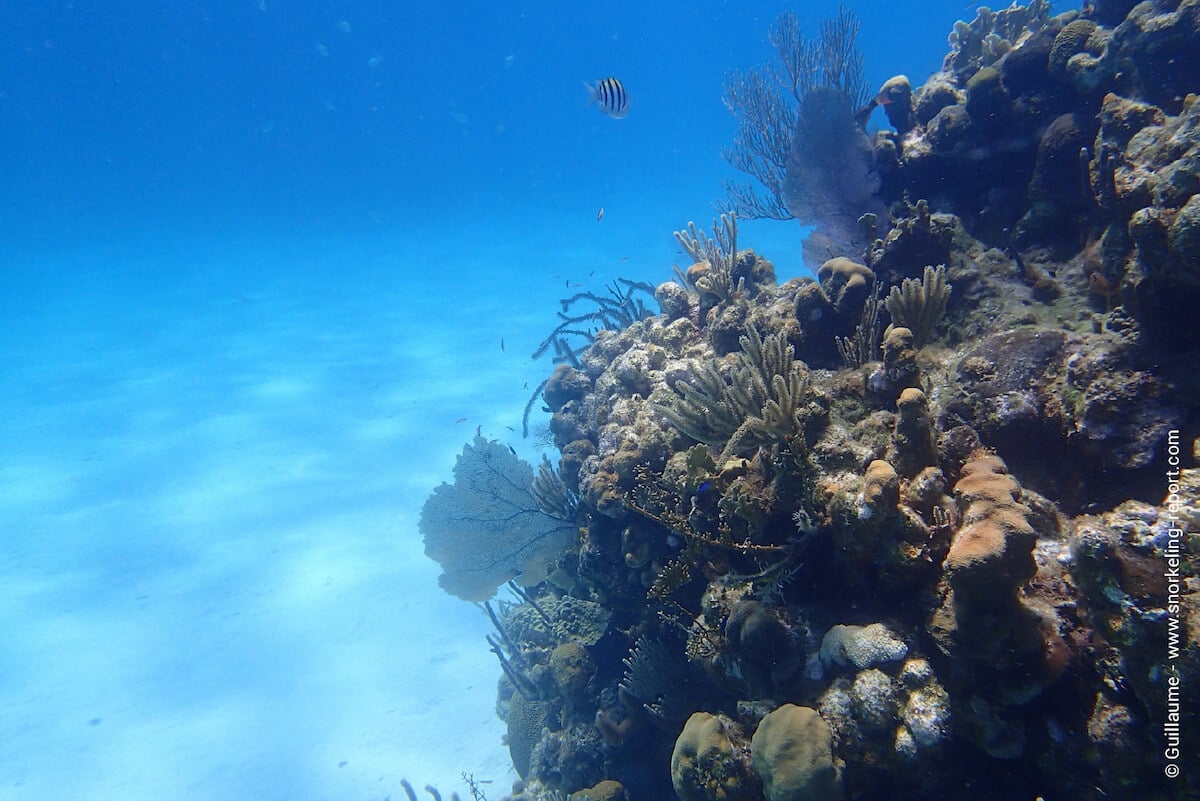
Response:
column 256, row 267
column 206, row 119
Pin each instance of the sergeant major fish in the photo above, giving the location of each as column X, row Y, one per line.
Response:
column 610, row 96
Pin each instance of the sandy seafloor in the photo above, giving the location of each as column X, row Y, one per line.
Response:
column 214, row 453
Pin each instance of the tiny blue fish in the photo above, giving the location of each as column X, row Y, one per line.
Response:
column 704, row 487
column 610, row 96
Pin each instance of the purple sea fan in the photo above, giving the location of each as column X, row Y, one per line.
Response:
column 831, row 180
column 801, row 137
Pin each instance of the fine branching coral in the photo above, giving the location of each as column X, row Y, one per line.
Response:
column 551, row 494
column 488, row 527
column 616, row 311
column 863, row 345
column 920, row 305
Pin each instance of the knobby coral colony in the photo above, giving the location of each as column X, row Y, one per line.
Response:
column 834, row 544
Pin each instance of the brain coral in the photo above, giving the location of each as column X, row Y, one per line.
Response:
column 1069, row 41
column 525, row 721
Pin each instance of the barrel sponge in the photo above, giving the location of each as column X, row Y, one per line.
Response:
column 792, row 752
column 753, row 627
column 706, row 766
column 763, row 646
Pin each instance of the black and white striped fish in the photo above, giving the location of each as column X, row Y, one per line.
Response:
column 610, row 96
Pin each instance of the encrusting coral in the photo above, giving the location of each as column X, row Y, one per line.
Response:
column 854, row 535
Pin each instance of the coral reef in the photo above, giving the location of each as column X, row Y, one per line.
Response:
column 858, row 535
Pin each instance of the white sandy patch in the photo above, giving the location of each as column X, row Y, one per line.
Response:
column 214, row 587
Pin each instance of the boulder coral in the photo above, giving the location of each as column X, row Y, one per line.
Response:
column 710, row 761
column 912, row 437
column 792, row 752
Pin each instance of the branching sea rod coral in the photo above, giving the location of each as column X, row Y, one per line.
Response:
column 920, row 305
column 719, row 253
column 764, row 398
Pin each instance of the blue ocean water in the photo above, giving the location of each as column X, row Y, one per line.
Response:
column 264, row 268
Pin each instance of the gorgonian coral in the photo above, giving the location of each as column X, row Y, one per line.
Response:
column 801, row 136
